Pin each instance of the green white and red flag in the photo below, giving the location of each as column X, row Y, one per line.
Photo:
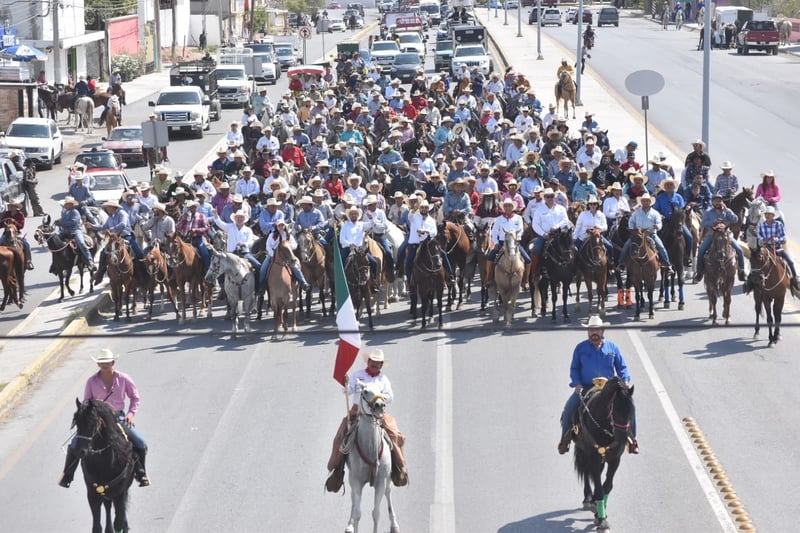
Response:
column 349, row 337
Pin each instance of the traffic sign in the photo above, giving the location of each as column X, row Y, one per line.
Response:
column 305, row 32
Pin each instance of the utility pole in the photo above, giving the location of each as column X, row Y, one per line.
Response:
column 157, row 44
column 57, row 75
column 173, row 51
column 252, row 20
column 221, row 29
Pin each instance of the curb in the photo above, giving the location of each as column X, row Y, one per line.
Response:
column 17, row 386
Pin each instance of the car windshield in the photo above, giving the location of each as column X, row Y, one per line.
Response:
column 98, row 160
column 444, row 45
column 407, row 59
column 762, row 25
column 284, row 52
column 35, row 131
column 107, row 182
column 464, row 51
column 410, row 38
column 230, row 74
column 259, row 48
column 187, row 98
column 380, row 47
column 125, row 134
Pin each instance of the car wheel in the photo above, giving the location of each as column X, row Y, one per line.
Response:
column 745, row 50
column 199, row 133
column 616, row 24
column 58, row 159
column 49, row 166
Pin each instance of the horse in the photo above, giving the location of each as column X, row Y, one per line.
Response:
column 643, row 270
column 565, row 90
column 559, row 266
column 785, row 31
column 396, row 238
column 357, row 274
column 14, row 243
column 720, row 269
column 64, row 102
column 483, row 245
column 679, row 19
column 427, row 281
column 739, row 204
column 48, row 95
column 121, row 274
column 675, row 243
column 618, row 234
column 282, row 289
column 84, row 111
column 155, row 266
column 382, row 275
column 508, row 272
column 372, row 462
column 8, row 279
column 453, row 239
column 755, row 215
column 604, row 419
column 770, row 278
column 187, row 268
column 113, row 115
column 592, row 266
column 313, row 265
column 107, row 462
column 240, row 286
column 65, row 256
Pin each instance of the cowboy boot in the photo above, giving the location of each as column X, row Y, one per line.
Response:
column 698, row 271
column 101, row 269
column 628, row 301
column 620, row 298
column 70, row 465
column 535, row 265
column 140, row 473
column 335, row 479
column 633, row 445
column 28, row 262
column 741, row 274
column 563, row 444
column 489, row 272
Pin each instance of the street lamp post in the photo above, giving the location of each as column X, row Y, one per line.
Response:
column 519, row 19
column 579, row 55
column 539, row 30
column 505, row 14
column 707, row 36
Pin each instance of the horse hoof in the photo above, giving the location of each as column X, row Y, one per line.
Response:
column 116, row 319
column 651, row 315
column 727, row 321
column 666, row 305
column 589, row 505
column 681, row 306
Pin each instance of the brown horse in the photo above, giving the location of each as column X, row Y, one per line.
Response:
column 483, row 245
column 508, row 273
column 642, row 269
column 453, row 239
column 592, row 266
column 358, row 276
column 155, row 265
column 427, row 280
column 719, row 270
column 113, row 115
column 121, row 275
column 770, row 278
column 739, row 204
column 565, row 90
column 187, row 269
column 312, row 262
column 8, row 278
column 14, row 243
column 282, row 289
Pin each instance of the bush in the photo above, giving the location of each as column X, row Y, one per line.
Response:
column 129, row 67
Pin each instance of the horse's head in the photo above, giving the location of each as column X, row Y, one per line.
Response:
column 87, row 423
column 305, row 244
column 748, row 193
column 622, row 407
column 10, row 232
column 116, row 249
column 678, row 216
column 563, row 237
column 510, row 244
column 755, row 211
column 373, row 402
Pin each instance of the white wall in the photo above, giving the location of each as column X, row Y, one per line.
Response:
column 212, row 29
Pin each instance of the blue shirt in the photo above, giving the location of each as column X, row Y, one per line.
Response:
column 311, row 219
column 774, row 232
column 81, row 193
column 589, row 362
column 118, row 223
column 665, row 202
column 267, row 220
column 71, row 221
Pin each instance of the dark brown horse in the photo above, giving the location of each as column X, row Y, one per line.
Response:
column 592, row 267
column 643, row 270
column 188, row 278
column 483, row 245
column 283, row 290
column 739, row 204
column 618, row 234
column 155, row 265
column 454, row 241
column 427, row 281
column 770, row 278
column 358, row 276
column 121, row 275
column 14, row 243
column 8, row 279
column 65, row 256
column 312, row 261
column 675, row 243
column 720, row 270
column 558, row 260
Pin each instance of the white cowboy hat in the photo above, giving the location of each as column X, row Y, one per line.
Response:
column 105, row 356
column 305, row 200
column 239, row 214
column 508, row 201
column 592, row 200
column 595, row 322
column 769, row 210
column 726, row 165
column 69, row 200
column 375, row 355
column 273, row 201
column 161, row 207
column 111, row 203
column 616, row 186
column 352, row 209
column 370, row 200
column 646, row 196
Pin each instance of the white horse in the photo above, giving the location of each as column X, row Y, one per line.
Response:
column 396, row 238
column 508, row 272
column 755, row 215
column 369, row 459
column 240, row 286
column 84, row 113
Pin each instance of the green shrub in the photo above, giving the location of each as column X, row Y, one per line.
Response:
column 129, row 67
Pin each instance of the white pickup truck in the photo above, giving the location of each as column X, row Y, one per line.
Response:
column 234, row 85
column 471, row 55
column 183, row 108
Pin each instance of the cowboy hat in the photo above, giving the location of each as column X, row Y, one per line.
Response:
column 273, row 201
column 375, row 355
column 305, row 200
column 637, row 175
column 646, row 196
column 508, row 201
column 111, row 203
column 457, row 181
column 616, row 186
column 237, row 198
column 596, row 322
column 352, row 209
column 592, row 200
column 370, row 200
column 770, row 210
column 181, row 190
column 161, row 207
column 239, row 214
column 69, row 200
column 399, row 194
column 105, row 356
column 726, row 165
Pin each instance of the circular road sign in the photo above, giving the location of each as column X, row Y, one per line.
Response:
column 644, row 82
column 305, row 32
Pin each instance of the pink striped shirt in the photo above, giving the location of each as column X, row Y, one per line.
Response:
column 121, row 386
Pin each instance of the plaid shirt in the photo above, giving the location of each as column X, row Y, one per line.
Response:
column 771, row 232
column 192, row 226
column 726, row 185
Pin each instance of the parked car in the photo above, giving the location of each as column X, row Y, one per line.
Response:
column 336, row 25
column 405, row 66
column 126, row 143
column 334, row 5
column 286, row 56
column 587, row 16
column 608, row 16
column 11, row 181
column 37, row 138
column 107, row 184
column 93, row 160
column 533, row 18
column 357, row 7
column 551, row 16
column 512, row 4
column 758, row 35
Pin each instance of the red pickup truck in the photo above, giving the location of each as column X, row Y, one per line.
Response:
column 758, row 35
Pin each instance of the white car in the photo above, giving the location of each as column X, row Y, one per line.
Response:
column 512, row 4
column 412, row 42
column 183, row 108
column 38, row 138
column 336, row 25
column 383, row 54
column 551, row 16
column 108, row 184
column 471, row 55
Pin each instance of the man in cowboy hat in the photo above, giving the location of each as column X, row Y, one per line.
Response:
column 159, row 226
column 355, row 383
column 592, row 218
column 615, row 204
column 457, row 201
column 269, row 215
column 547, row 220
column 355, row 189
column 698, row 150
column 311, row 218
column 655, row 175
column 726, row 184
column 118, row 223
column 648, row 219
column 81, row 193
column 14, row 216
column 668, row 200
column 112, row 387
column 72, row 225
column 771, row 234
column 718, row 217
column 584, row 188
column 376, row 223
column 351, row 235
column 161, row 183
column 509, row 222
column 593, row 358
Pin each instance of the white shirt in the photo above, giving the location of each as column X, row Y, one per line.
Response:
column 523, row 123
column 274, row 241
column 270, row 144
column 358, row 193
column 148, row 200
column 427, row 165
column 235, row 136
column 493, row 106
column 246, row 187
column 417, row 223
column 482, row 186
column 352, row 233
column 469, row 100
column 587, row 221
column 502, row 225
column 375, row 221
column 548, row 119
column 514, row 154
column 267, row 182
column 590, row 161
column 613, row 207
column 546, row 219
column 530, row 209
column 236, row 235
column 360, row 378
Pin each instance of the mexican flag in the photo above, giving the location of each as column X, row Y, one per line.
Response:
column 349, row 338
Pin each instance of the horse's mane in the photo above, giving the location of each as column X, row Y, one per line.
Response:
column 114, row 434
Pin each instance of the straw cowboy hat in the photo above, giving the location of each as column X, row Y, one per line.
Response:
column 305, row 200
column 726, row 165
column 353, row 209
column 159, row 206
column 637, row 175
column 375, row 355
column 273, row 201
column 370, row 200
column 111, row 203
column 69, row 200
column 105, row 356
column 508, row 201
column 595, row 322
column 457, row 181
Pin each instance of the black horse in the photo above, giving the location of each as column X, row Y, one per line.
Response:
column 107, row 462
column 559, row 268
column 65, row 256
column 675, row 243
column 618, row 235
column 604, row 418
column 427, row 281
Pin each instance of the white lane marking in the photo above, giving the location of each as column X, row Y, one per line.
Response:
column 707, row 486
column 442, row 512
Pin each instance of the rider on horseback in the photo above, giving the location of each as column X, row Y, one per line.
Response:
column 194, row 226
column 565, row 67
column 72, row 226
column 352, row 234
column 592, row 218
column 593, row 358
column 371, row 374
column 718, row 215
column 546, row 221
column 508, row 222
column 375, row 221
column 273, row 241
column 645, row 218
column 15, row 216
column 665, row 202
column 771, row 233
column 119, row 223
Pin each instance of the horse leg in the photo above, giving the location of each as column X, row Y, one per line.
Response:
column 394, row 527
column 564, row 297
column 777, row 311
column 578, row 280
column 356, row 487
column 650, row 290
column 638, row 291
column 726, row 305
column 120, row 514
column 95, row 504
column 757, row 297
column 381, row 485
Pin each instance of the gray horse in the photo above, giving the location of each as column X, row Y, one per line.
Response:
column 84, row 112
column 240, row 286
column 369, row 459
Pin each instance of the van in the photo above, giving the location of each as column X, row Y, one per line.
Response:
column 608, row 16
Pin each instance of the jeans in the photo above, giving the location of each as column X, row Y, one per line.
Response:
column 383, row 240
column 707, row 244
column 135, row 248
column 689, row 238
column 25, row 244
column 262, row 273
column 538, row 246
column 87, row 213
column 662, row 252
column 573, row 403
column 499, row 246
column 200, row 243
column 78, row 236
column 788, row 260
